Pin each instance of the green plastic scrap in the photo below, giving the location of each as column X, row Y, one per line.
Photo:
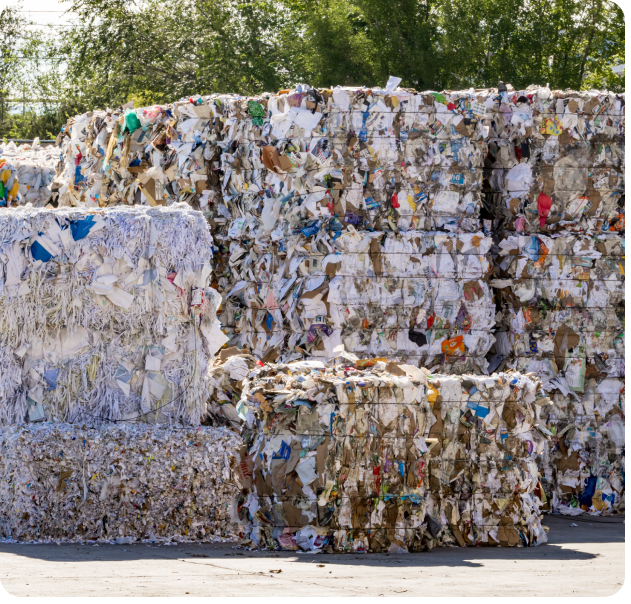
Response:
column 132, row 123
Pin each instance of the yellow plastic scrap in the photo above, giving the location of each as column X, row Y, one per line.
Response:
column 432, row 394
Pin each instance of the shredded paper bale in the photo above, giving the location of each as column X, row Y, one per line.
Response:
column 106, row 315
column 389, row 459
column 27, row 174
column 116, row 482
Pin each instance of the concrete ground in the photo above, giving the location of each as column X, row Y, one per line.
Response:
column 586, row 560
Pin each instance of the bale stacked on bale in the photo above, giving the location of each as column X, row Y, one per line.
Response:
column 348, row 220
column 558, row 202
column 106, row 315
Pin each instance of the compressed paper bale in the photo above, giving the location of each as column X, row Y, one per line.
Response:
column 583, row 469
column 301, row 296
column 193, row 158
column 280, row 176
column 358, row 460
column 573, row 146
column 562, row 302
column 27, row 173
column 87, row 297
column 578, row 282
column 106, row 161
column 558, row 196
column 140, row 482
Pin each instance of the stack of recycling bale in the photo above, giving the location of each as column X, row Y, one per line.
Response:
column 559, row 263
column 27, row 173
column 116, row 482
column 107, row 320
column 348, row 222
column 106, row 315
column 328, row 208
column 388, row 459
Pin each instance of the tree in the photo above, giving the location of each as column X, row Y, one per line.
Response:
column 451, row 44
column 151, row 51
column 12, row 29
column 31, row 74
column 154, row 51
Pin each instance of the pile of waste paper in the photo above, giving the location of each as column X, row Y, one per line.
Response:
column 118, row 482
column 557, row 196
column 326, row 206
column 296, row 183
column 27, row 174
column 420, row 296
column 563, row 170
column 389, row 458
column 106, row 315
column 585, row 469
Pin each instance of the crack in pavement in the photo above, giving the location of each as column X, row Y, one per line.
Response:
column 259, row 574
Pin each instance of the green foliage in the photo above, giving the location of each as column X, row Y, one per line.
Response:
column 31, row 74
column 451, row 44
column 156, row 51
column 11, row 27
column 151, row 51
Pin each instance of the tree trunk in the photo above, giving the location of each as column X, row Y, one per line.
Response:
column 588, row 46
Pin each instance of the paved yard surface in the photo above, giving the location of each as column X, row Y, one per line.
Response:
column 586, row 560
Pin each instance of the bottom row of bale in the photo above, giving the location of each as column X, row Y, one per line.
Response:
column 119, row 482
column 329, row 459
column 397, row 460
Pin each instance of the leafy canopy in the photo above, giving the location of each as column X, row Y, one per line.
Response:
column 151, row 51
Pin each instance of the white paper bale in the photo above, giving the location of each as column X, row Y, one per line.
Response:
column 33, row 168
column 106, row 315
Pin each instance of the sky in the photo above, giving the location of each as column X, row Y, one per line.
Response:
column 42, row 12
column 45, row 12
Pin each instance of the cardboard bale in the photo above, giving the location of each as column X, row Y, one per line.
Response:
column 343, row 459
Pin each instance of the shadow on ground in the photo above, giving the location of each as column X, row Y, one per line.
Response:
column 560, row 536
